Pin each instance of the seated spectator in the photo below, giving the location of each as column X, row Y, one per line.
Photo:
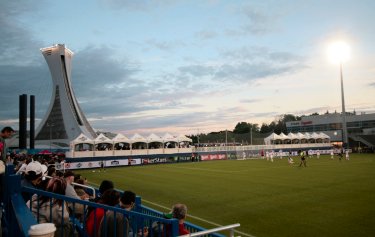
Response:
column 179, row 212
column 123, row 222
column 110, row 197
column 80, row 190
column 53, row 211
column 70, row 192
column 32, row 178
column 104, row 186
column 23, row 164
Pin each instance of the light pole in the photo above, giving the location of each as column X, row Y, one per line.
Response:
column 339, row 53
column 344, row 128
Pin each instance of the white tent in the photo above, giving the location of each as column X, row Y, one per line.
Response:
column 271, row 139
column 103, row 143
column 169, row 138
column 284, row 137
column 121, row 138
column 138, row 138
column 82, row 138
column 102, row 139
column 119, row 142
column 294, row 138
column 82, row 143
column 183, row 138
column 154, row 138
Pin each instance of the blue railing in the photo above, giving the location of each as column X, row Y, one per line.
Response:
column 19, row 217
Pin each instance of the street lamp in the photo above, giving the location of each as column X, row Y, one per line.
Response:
column 339, row 52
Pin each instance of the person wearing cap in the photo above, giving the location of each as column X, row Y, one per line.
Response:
column 32, row 178
column 71, row 192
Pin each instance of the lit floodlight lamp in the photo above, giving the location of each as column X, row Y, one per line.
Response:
column 339, row 52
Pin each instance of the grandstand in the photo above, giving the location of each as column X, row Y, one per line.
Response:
column 18, row 218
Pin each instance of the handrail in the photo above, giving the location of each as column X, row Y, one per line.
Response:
column 205, row 232
column 86, row 186
column 79, row 185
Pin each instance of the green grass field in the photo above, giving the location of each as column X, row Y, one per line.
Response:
column 328, row 198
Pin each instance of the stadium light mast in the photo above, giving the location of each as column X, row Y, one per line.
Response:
column 339, row 53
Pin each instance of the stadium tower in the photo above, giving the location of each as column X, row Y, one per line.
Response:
column 64, row 119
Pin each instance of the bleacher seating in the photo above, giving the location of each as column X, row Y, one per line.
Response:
column 18, row 217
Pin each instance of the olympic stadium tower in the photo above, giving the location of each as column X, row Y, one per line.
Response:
column 64, row 119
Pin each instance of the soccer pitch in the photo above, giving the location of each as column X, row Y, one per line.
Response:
column 328, row 198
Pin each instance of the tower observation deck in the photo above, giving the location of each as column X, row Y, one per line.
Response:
column 64, row 119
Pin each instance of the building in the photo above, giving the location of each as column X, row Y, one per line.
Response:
column 361, row 127
column 64, row 120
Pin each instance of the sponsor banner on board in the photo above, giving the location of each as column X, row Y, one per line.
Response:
column 213, row 157
column 99, row 164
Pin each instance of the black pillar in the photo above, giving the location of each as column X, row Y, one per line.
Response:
column 32, row 121
column 22, row 144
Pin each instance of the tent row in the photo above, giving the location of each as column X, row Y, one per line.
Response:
column 297, row 138
column 121, row 142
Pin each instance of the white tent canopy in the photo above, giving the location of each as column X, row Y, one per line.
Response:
column 306, row 137
column 102, row 139
column 138, row 138
column 82, row 138
column 169, row 138
column 271, row 138
column 183, row 138
column 121, row 138
column 154, row 138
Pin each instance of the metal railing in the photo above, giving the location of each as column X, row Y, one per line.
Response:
column 214, row 230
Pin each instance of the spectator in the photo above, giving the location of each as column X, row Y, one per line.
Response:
column 111, row 198
column 179, row 212
column 6, row 132
column 80, row 190
column 123, row 222
column 104, row 186
column 24, row 163
column 32, row 178
column 54, row 211
column 70, row 192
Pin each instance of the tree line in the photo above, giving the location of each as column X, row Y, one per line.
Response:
column 246, row 133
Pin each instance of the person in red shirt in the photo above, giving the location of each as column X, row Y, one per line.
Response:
column 179, row 212
column 110, row 197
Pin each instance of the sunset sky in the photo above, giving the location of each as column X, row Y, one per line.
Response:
column 188, row 66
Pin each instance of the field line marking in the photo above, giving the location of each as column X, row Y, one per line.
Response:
column 191, row 216
column 210, row 170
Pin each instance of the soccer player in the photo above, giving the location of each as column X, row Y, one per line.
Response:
column 303, row 158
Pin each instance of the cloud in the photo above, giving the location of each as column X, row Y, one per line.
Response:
column 257, row 21
column 17, row 45
column 206, row 34
column 250, row 101
column 372, row 84
column 246, row 65
column 139, row 5
column 164, row 45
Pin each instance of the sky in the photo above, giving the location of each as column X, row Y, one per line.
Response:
column 189, row 67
